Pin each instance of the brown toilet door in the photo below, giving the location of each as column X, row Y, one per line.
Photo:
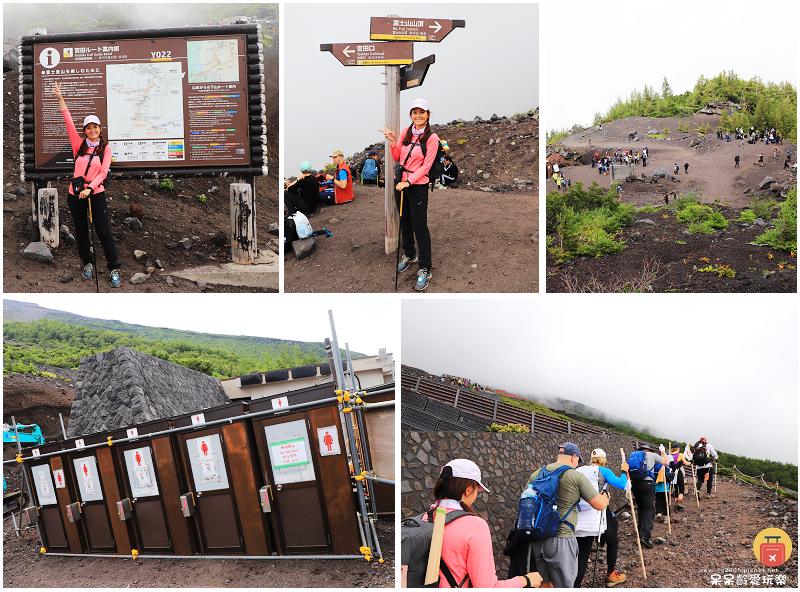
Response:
column 49, row 513
column 148, row 511
column 215, row 503
column 296, row 490
column 94, row 511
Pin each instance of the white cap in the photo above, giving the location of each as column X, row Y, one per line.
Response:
column 421, row 103
column 90, row 119
column 598, row 453
column 466, row 469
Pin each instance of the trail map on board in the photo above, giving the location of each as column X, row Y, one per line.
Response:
column 213, row 61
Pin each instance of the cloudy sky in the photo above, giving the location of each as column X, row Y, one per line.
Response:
column 690, row 366
column 490, row 66
column 365, row 322
column 594, row 56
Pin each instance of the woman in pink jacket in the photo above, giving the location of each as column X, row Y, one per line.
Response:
column 413, row 182
column 467, row 547
column 94, row 171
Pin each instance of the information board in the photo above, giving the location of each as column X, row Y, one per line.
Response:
column 164, row 102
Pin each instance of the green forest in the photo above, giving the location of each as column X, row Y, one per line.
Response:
column 762, row 105
column 60, row 344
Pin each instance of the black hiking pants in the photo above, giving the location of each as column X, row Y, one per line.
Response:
column 295, row 203
column 611, row 539
column 80, row 218
column 701, row 474
column 644, row 492
column 414, row 224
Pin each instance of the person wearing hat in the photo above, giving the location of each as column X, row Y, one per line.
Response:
column 371, row 173
column 302, row 194
column 94, row 171
column 557, row 557
column 705, row 470
column 644, row 492
column 679, row 478
column 591, row 522
column 412, row 179
column 342, row 180
column 467, row 548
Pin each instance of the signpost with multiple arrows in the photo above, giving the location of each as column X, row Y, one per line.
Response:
column 394, row 50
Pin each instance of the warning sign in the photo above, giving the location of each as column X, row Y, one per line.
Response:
column 141, row 475
column 58, row 477
column 289, row 453
column 328, row 441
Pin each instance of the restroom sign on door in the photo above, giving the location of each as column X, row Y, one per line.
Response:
column 328, row 441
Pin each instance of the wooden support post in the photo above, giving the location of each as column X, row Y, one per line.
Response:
column 243, row 223
column 392, row 221
column 47, row 216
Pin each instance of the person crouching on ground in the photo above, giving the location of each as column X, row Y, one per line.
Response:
column 450, row 172
column 411, row 179
column 93, row 171
column 371, row 170
column 589, row 519
column 302, row 194
column 467, row 548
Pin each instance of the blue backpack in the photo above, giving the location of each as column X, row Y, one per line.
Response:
column 637, row 464
column 538, row 517
column 370, row 171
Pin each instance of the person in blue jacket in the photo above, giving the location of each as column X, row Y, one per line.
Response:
column 592, row 522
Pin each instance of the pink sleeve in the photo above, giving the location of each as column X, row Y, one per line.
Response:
column 398, row 146
column 480, row 559
column 101, row 175
column 431, row 147
column 74, row 139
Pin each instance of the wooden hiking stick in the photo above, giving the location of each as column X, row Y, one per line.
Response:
column 635, row 525
column 668, row 494
column 94, row 248
column 696, row 495
column 435, row 558
column 400, row 219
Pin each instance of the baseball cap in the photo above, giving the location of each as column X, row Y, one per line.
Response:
column 569, row 449
column 372, row 153
column 421, row 103
column 465, row 469
column 598, row 453
column 91, row 119
column 305, row 166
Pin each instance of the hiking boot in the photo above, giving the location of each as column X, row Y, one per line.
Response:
column 614, row 578
column 711, row 495
column 647, row 543
column 423, row 279
column 88, row 271
column 115, row 283
column 405, row 262
column 679, row 507
column 659, row 517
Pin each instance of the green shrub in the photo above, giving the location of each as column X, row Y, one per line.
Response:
column 784, row 235
column 202, row 198
column 747, row 216
column 700, row 228
column 167, row 184
column 512, row 428
column 692, row 213
column 761, row 207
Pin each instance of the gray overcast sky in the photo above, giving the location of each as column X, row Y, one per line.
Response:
column 366, row 323
column 608, row 53
column 490, row 66
column 715, row 366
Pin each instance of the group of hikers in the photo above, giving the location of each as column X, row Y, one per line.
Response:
column 563, row 510
column 620, row 157
column 770, row 136
column 464, row 382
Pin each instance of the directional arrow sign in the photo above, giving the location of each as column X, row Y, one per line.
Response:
column 371, row 53
column 386, row 28
column 414, row 75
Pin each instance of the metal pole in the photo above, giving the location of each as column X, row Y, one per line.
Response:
column 392, row 226
column 14, row 520
column 27, row 485
column 63, row 431
column 379, row 479
column 294, row 557
column 375, row 405
column 375, row 536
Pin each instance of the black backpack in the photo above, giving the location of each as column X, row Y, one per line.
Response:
column 415, row 547
column 437, row 168
column 700, row 454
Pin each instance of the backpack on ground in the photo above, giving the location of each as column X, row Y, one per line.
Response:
column 538, row 516
column 369, row 170
column 637, row 466
column 700, row 454
column 415, row 547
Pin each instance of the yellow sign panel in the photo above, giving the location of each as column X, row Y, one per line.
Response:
column 382, row 62
column 398, row 37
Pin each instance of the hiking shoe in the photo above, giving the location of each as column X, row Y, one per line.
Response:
column 88, row 271
column 711, row 495
column 647, row 543
column 679, row 507
column 423, row 279
column 666, row 520
column 115, row 283
column 614, row 578
column 405, row 262
column 659, row 517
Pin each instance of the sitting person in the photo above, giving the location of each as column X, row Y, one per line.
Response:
column 302, row 194
column 450, row 174
column 371, row 170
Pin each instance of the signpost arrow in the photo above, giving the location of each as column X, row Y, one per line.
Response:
column 389, row 28
column 414, row 75
column 371, row 53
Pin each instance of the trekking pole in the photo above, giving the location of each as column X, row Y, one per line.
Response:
column 696, row 495
column 635, row 525
column 396, row 272
column 94, row 249
column 597, row 551
column 716, row 468
column 668, row 494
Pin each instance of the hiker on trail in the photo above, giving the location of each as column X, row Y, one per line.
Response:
column 90, row 173
column 679, row 478
column 557, row 557
column 450, row 172
column 663, row 481
column 736, row 161
column 591, row 522
column 412, row 179
column 467, row 552
column 676, row 168
column 644, row 159
column 371, row 170
column 342, row 180
column 760, row 160
column 786, row 163
column 642, row 464
column 302, row 194
column 702, row 455
column 686, row 167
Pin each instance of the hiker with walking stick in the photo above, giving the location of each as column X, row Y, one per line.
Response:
column 411, row 178
column 644, row 465
column 633, row 513
column 86, row 191
column 680, row 476
column 601, row 526
column 702, row 455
